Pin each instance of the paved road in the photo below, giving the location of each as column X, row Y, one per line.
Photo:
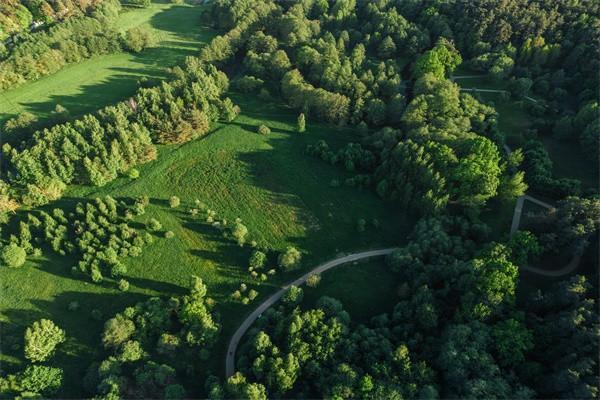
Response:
column 239, row 333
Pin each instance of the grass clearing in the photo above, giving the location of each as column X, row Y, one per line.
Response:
column 94, row 83
column 366, row 289
column 281, row 194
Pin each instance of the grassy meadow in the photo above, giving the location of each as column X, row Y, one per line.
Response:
column 102, row 80
column 281, row 194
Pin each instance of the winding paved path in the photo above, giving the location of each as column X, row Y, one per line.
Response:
column 239, row 333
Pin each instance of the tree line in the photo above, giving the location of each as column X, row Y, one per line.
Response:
column 45, row 52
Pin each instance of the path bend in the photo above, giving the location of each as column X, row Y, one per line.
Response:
column 245, row 325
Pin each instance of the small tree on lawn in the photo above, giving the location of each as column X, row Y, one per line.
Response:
column 301, row 123
column 290, row 258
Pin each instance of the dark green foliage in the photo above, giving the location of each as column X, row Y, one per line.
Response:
column 538, row 172
column 145, row 342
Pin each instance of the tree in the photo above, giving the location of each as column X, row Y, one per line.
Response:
column 301, row 123
column 257, row 260
column 41, row 379
column 387, row 48
column 239, row 232
column 41, row 340
column 512, row 340
column 13, row 255
column 138, row 38
column 117, row 330
column 290, row 258
column 174, row 202
column 293, row 296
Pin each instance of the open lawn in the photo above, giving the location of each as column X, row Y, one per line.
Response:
column 281, row 195
column 366, row 289
column 568, row 162
column 102, row 80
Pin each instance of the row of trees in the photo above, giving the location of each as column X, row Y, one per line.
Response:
column 43, row 53
column 95, row 149
column 17, row 16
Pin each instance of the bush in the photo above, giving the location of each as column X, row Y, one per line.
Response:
column 239, row 233
column 263, row 130
column 293, row 296
column 258, row 259
column 133, row 173
column 123, row 285
column 169, row 235
column 41, row 340
column 313, row 280
column 174, row 202
column 153, row 225
column 290, row 258
column 13, row 256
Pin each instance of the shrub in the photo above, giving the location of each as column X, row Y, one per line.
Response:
column 133, row 173
column 239, row 232
column 290, row 258
column 263, row 129
column 13, row 255
column 41, row 340
column 174, row 202
column 137, row 39
column 258, row 259
column 293, row 296
column 153, row 225
column 123, row 285
column 313, row 280
column 301, row 123
column 169, row 234
column 252, row 294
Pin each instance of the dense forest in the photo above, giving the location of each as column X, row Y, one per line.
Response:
column 463, row 324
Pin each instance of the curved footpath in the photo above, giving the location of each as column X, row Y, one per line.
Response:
column 239, row 333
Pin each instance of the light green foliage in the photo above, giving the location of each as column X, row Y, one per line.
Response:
column 257, row 260
column 117, row 330
column 41, row 380
column 301, row 123
column 13, row 255
column 239, row 232
column 439, row 61
column 290, row 258
column 41, row 340
column 174, row 201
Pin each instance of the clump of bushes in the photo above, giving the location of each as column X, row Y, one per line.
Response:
column 290, row 258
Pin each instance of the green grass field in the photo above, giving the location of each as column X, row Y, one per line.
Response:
column 366, row 289
column 102, row 80
column 281, row 194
